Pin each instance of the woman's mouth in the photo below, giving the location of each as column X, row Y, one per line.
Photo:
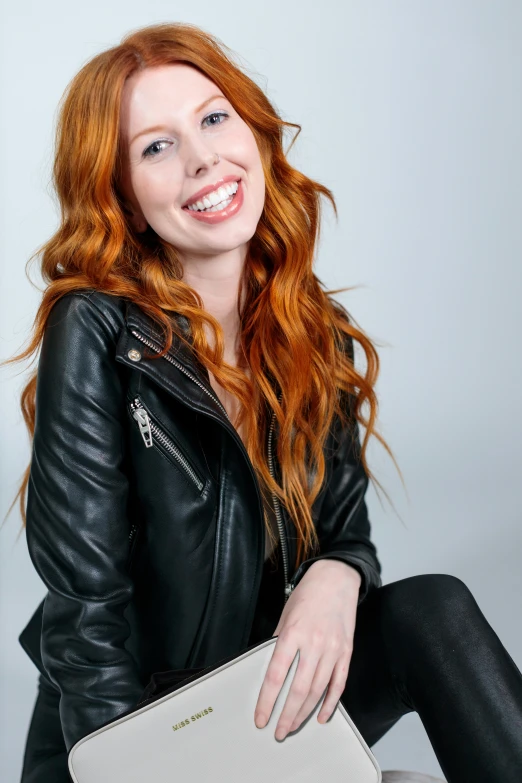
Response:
column 221, row 211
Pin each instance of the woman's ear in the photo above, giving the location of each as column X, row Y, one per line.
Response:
column 135, row 217
column 139, row 223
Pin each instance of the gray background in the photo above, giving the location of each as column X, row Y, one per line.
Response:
column 411, row 113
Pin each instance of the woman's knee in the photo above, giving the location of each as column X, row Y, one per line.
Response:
column 438, row 585
column 427, row 602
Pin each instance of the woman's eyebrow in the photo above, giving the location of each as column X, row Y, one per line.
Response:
column 156, row 128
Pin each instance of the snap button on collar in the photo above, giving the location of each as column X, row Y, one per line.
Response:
column 134, row 355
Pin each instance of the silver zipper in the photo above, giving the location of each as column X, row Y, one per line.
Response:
column 288, row 585
column 132, row 531
column 149, row 430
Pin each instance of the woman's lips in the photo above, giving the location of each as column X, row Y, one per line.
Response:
column 221, row 215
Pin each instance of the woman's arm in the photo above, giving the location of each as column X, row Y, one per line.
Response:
column 77, row 526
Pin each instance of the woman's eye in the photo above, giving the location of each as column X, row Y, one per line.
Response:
column 216, row 114
column 148, row 152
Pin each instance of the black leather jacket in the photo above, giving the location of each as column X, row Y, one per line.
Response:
column 144, row 515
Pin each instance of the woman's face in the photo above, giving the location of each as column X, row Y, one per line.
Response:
column 170, row 141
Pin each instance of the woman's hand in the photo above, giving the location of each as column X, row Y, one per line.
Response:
column 318, row 620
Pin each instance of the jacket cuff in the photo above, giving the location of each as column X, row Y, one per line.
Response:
column 370, row 575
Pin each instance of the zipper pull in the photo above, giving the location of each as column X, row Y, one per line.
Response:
column 288, row 590
column 142, row 418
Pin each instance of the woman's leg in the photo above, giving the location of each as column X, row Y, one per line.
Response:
column 422, row 644
column 45, row 756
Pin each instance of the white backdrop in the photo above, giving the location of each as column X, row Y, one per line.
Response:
column 411, row 113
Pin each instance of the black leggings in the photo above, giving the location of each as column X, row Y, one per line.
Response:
column 421, row 644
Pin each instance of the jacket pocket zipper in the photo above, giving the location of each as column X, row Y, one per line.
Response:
column 151, row 432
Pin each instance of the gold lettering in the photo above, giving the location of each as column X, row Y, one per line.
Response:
column 193, row 718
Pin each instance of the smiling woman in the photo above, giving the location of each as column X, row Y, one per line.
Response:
column 161, row 174
column 173, row 130
column 195, row 421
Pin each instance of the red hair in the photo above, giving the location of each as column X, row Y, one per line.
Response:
column 293, row 334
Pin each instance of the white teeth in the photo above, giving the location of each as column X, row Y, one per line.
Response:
column 223, row 193
column 216, row 197
column 220, row 206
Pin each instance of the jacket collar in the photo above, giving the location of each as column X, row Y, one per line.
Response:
column 136, row 318
column 140, row 326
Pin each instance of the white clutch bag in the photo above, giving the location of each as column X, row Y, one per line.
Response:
column 202, row 728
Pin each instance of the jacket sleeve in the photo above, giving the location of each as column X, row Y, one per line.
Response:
column 77, row 525
column 343, row 526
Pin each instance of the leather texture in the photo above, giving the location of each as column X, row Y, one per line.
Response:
column 152, row 555
column 208, row 724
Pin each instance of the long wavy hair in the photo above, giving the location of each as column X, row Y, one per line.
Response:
column 296, row 340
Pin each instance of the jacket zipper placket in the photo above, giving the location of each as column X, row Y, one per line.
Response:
column 149, row 429
column 288, row 584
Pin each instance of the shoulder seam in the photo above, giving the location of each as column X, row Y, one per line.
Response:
column 84, row 295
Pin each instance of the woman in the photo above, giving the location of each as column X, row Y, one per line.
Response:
column 197, row 481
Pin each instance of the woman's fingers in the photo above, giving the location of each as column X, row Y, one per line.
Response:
column 332, row 669
column 282, row 658
column 308, row 685
column 336, row 687
column 325, row 677
column 305, row 685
